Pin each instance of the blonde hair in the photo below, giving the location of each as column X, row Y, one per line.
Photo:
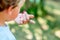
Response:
column 5, row 4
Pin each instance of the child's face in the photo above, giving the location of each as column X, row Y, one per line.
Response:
column 12, row 13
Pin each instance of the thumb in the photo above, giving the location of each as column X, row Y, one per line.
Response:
column 32, row 21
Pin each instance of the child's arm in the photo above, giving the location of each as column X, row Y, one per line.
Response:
column 24, row 18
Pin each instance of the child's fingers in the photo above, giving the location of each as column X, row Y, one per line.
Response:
column 19, row 19
column 31, row 16
column 32, row 21
column 24, row 22
column 28, row 17
column 24, row 19
column 29, row 21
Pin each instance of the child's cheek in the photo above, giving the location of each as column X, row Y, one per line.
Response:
column 14, row 14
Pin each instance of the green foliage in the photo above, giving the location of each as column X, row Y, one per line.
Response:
column 47, row 17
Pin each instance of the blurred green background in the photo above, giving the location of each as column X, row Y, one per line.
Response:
column 47, row 18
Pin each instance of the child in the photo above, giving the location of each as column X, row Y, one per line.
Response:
column 9, row 10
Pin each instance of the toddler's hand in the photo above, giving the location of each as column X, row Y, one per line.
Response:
column 24, row 18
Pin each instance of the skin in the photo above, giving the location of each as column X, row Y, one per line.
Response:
column 10, row 14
